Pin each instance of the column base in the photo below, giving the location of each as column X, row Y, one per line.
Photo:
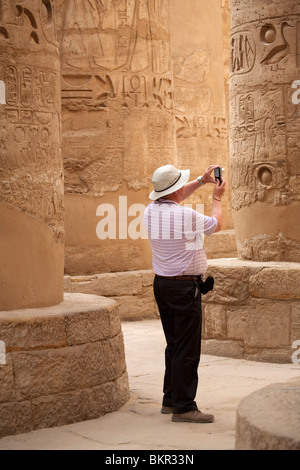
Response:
column 63, row 364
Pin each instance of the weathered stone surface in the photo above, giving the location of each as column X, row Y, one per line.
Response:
column 15, row 417
column 231, row 285
column 56, row 410
column 199, row 92
column 32, row 333
column 87, row 327
column 264, row 123
column 7, row 390
column 31, row 189
column 236, row 322
column 295, row 324
column 215, row 321
column 263, row 327
column 74, row 406
column 276, row 283
column 114, row 354
column 117, row 123
column 68, row 368
column 257, row 328
column 133, row 291
column 268, row 325
column 109, row 284
column 63, row 369
column 137, row 307
column 223, row 348
column 147, row 277
column 221, row 245
column 82, row 260
column 269, row 419
column 275, row 355
column 50, row 383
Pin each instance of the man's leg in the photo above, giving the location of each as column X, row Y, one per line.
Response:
column 187, row 348
column 179, row 303
column 168, row 328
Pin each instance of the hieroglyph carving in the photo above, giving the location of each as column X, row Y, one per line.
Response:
column 242, row 52
column 265, row 127
column 30, row 161
column 264, row 122
column 116, row 64
column 193, row 102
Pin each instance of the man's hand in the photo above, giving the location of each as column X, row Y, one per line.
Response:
column 192, row 186
column 206, row 178
column 219, row 189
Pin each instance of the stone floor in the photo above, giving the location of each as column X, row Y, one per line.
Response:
column 223, row 382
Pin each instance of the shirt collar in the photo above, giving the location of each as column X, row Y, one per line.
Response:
column 161, row 200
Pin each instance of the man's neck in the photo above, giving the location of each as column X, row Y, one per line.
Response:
column 175, row 197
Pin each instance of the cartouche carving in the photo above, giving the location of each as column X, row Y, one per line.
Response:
column 264, row 119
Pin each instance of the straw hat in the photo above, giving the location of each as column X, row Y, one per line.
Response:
column 167, row 179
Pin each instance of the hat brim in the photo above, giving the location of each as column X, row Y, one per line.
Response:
column 185, row 176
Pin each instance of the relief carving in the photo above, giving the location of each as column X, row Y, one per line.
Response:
column 115, row 65
column 195, row 117
column 193, row 68
column 276, row 49
column 264, row 120
column 29, row 150
column 243, row 52
column 199, row 91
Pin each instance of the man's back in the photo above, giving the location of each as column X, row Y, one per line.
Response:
column 175, row 233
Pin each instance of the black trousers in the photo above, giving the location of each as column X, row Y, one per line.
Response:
column 179, row 304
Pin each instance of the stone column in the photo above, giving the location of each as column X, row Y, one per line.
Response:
column 265, row 126
column 31, row 173
column 118, row 125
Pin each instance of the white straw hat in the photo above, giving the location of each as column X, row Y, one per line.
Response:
column 167, row 179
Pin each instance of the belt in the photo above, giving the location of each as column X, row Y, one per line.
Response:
column 180, row 278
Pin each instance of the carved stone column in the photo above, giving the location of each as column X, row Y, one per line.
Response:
column 265, row 126
column 118, row 125
column 31, row 173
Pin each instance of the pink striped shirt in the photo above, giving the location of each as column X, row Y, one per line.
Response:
column 175, row 233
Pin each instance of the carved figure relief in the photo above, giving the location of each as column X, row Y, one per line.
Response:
column 264, row 120
column 198, row 125
column 193, row 68
column 29, row 143
column 116, row 62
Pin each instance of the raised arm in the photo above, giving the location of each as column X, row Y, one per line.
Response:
column 192, row 186
column 216, row 210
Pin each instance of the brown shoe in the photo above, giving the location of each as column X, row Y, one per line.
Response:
column 193, row 417
column 166, row 410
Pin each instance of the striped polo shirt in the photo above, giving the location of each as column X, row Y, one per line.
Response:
column 175, row 233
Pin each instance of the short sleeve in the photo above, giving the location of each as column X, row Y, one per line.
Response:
column 210, row 225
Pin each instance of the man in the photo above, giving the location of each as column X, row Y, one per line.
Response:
column 179, row 260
